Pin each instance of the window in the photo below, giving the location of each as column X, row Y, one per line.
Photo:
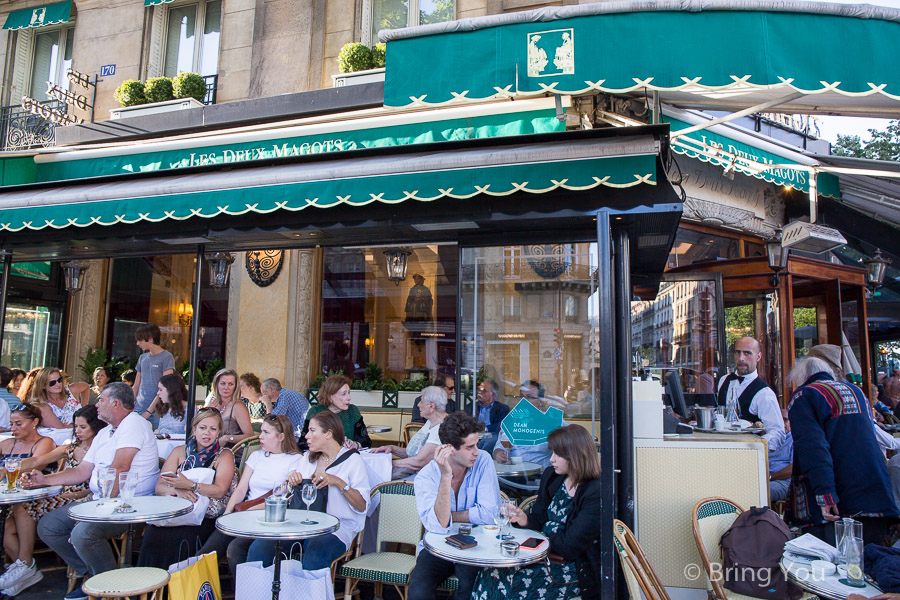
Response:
column 52, row 55
column 393, row 14
column 185, row 38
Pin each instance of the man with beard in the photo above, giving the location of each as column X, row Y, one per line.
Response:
column 756, row 400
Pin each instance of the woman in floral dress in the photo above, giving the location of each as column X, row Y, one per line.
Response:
column 57, row 401
column 567, row 511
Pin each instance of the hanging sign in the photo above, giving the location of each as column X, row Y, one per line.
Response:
column 55, row 115
column 527, row 425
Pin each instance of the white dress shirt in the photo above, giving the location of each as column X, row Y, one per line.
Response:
column 765, row 406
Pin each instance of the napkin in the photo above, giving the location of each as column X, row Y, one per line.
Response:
column 810, row 547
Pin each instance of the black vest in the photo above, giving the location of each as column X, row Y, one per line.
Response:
column 745, row 398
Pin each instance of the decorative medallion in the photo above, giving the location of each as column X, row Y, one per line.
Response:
column 263, row 266
column 547, row 260
column 558, row 44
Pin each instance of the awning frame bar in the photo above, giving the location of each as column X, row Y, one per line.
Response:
column 737, row 115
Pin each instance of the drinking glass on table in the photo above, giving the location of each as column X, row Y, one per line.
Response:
column 508, row 508
column 308, row 495
column 106, row 478
column 501, row 520
column 126, row 489
column 280, row 490
column 13, row 465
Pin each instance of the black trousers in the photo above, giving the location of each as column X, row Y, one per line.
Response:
column 164, row 546
column 431, row 571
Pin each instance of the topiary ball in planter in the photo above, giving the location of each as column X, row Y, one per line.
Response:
column 130, row 93
column 158, row 89
column 378, row 55
column 355, row 57
column 189, row 85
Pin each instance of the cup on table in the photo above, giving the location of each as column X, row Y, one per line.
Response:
column 853, row 546
column 509, row 549
column 465, row 529
column 844, row 528
column 126, row 488
column 13, row 465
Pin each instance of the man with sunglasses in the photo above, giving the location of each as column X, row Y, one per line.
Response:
column 448, row 384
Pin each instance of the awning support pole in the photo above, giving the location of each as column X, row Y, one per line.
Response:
column 624, row 412
column 656, row 114
column 4, row 289
column 195, row 338
column 813, row 197
column 737, row 115
column 605, row 399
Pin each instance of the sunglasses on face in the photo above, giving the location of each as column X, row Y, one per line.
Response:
column 53, row 382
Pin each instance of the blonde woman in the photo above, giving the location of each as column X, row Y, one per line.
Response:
column 226, row 398
column 56, row 401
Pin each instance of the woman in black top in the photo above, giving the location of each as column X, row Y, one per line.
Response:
column 567, row 511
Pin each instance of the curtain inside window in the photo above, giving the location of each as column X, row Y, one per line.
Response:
column 212, row 27
column 46, row 52
column 180, row 39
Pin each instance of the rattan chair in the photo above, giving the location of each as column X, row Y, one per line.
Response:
column 398, row 522
column 711, row 519
column 527, row 503
column 409, row 430
column 639, row 574
column 139, row 583
column 249, row 446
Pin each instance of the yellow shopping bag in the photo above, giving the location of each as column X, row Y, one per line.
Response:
column 196, row 578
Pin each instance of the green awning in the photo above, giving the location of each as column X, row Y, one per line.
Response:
column 155, row 2
column 563, row 164
column 694, row 56
column 39, row 16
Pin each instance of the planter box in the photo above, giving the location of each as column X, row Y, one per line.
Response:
column 366, row 399
column 358, row 77
column 154, row 108
column 407, row 398
column 200, row 395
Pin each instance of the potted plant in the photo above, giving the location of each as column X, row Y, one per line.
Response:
column 366, row 391
column 359, row 64
column 189, row 85
column 159, row 94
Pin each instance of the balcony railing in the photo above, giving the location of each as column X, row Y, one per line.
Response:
column 212, row 82
column 21, row 130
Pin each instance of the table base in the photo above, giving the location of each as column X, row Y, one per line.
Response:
column 276, row 575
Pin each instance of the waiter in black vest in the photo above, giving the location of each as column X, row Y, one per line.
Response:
column 756, row 399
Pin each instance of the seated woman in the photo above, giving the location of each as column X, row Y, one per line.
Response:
column 346, row 481
column 334, row 396
column 57, row 402
column 21, row 530
column 226, row 398
column 276, row 458
column 567, row 511
column 101, row 377
column 251, row 395
column 169, row 404
column 162, row 545
column 24, row 392
column 421, row 447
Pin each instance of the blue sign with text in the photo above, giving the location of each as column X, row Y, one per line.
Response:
column 107, row 70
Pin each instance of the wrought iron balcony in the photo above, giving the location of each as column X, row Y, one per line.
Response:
column 21, row 130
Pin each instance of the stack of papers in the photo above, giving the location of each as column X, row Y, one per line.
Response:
column 809, row 547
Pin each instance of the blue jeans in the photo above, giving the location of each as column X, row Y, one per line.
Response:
column 318, row 552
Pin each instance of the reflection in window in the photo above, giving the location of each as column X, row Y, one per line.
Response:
column 394, row 14
column 806, row 331
column 52, row 56
column 31, row 336
column 696, row 246
column 192, row 38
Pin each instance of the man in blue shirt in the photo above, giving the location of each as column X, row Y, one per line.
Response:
column 288, row 403
column 458, row 486
column 490, row 412
column 781, row 463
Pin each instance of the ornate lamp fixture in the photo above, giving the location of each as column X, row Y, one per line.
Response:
column 73, row 274
column 185, row 314
column 778, row 257
column 875, row 269
column 396, row 262
column 219, row 268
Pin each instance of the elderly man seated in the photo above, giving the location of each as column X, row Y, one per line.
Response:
column 127, row 444
column 420, row 450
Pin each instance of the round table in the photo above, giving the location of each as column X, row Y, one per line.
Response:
column 517, row 469
column 146, row 508
column 21, row 495
column 378, row 428
column 248, row 524
column 487, row 552
column 828, row 587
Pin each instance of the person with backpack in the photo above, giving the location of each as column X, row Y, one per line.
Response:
column 839, row 470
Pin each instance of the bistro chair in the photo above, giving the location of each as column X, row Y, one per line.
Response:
column 398, row 522
column 140, row 583
column 409, row 430
column 249, row 446
column 527, row 503
column 640, row 577
column 711, row 519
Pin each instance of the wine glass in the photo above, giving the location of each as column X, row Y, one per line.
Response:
column 308, row 495
column 501, row 520
column 280, row 490
column 507, row 508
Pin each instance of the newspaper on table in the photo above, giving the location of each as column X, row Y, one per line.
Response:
column 808, row 547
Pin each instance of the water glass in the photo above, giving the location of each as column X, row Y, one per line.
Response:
column 853, row 548
column 126, row 489
column 308, row 495
column 281, row 490
column 501, row 520
column 106, row 477
column 507, row 507
column 843, row 529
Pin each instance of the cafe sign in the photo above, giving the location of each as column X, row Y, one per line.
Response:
column 527, row 425
column 55, row 115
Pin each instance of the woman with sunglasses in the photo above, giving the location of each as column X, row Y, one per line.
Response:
column 56, row 401
column 22, row 527
column 226, row 398
column 334, row 396
column 169, row 405
column 346, row 482
column 162, row 545
column 265, row 468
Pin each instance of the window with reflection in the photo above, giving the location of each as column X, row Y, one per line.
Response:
column 694, row 246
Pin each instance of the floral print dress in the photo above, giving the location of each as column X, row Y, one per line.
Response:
column 535, row 581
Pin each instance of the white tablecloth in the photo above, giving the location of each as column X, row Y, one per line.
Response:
column 165, row 447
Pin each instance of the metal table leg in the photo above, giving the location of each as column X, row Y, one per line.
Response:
column 276, row 579
column 129, row 542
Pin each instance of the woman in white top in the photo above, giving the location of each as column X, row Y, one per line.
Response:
column 347, row 486
column 421, row 447
column 276, row 458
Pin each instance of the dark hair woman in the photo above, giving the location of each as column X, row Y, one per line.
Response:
column 334, row 396
column 169, row 404
column 567, row 511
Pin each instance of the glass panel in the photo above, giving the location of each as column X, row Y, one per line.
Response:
column 407, row 328
column 61, row 78
column 850, row 328
column 740, row 321
column 209, row 52
column 679, row 330
column 806, row 330
column 31, row 336
column 697, row 246
column 43, row 69
column 155, row 290
column 529, row 325
column 180, row 40
column 435, row 11
column 389, row 14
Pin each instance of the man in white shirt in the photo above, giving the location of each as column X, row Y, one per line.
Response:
column 127, row 444
column 755, row 398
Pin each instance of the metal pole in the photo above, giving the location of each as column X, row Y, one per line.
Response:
column 607, row 409
column 4, row 290
column 459, row 323
column 195, row 337
column 624, row 416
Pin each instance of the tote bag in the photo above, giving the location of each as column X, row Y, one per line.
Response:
column 196, row 578
column 254, row 582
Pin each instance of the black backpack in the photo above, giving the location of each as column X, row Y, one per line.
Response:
column 751, row 554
